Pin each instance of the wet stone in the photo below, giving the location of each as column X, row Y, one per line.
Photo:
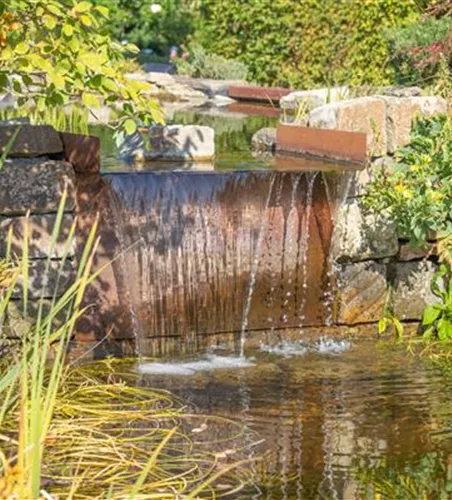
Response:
column 35, row 185
column 362, row 292
column 412, row 289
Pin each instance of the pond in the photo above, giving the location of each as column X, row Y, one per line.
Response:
column 328, row 412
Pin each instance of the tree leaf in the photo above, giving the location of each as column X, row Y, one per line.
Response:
column 130, row 126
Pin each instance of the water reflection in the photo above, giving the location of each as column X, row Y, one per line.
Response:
column 327, row 417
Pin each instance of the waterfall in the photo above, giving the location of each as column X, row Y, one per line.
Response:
column 206, row 253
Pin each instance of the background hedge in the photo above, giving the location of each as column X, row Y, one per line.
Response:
column 306, row 43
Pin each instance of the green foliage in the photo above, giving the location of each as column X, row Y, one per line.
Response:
column 426, row 479
column 416, row 50
column 134, row 20
column 306, row 44
column 416, row 189
column 56, row 52
column 201, row 64
column 437, row 318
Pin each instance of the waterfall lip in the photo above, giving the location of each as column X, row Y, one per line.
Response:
column 208, row 363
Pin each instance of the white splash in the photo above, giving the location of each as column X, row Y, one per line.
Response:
column 210, row 363
column 324, row 345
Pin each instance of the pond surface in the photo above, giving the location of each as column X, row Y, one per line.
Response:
column 328, row 411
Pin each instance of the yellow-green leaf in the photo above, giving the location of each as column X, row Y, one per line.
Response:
column 130, row 126
column 103, row 10
column 49, row 21
column 82, row 7
column 68, row 30
column 86, row 20
column 90, row 100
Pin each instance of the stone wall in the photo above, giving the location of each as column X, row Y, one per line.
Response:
column 375, row 268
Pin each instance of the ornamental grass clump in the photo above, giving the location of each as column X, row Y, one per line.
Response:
column 73, row 432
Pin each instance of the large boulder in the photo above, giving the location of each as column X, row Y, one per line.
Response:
column 361, row 235
column 40, row 228
column 401, row 113
column 35, row 185
column 31, row 140
column 362, row 293
column 365, row 114
column 412, row 289
column 172, row 143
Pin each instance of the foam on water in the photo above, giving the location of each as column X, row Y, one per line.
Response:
column 208, row 364
column 285, row 348
column 324, row 345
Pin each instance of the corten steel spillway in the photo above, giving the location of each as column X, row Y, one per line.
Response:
column 200, row 253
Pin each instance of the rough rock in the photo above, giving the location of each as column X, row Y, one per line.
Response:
column 31, row 141
column 36, row 185
column 360, row 235
column 159, row 79
column 402, row 91
column 401, row 113
column 412, row 290
column 312, row 98
column 209, row 86
column 362, row 293
column 44, row 284
column 408, row 253
column 40, row 229
column 221, row 100
column 365, row 114
column 264, row 139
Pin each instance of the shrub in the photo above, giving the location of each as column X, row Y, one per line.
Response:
column 135, row 21
column 417, row 49
column 201, row 64
column 309, row 43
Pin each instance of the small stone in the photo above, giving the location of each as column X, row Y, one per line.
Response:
column 40, row 228
column 363, row 293
column 361, row 235
column 35, row 185
column 31, row 141
column 264, row 139
column 408, row 253
column 412, row 289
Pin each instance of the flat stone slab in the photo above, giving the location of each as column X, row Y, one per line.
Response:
column 312, row 99
column 332, row 144
column 362, row 293
column 35, row 185
column 40, row 228
column 412, row 289
column 360, row 235
column 253, row 93
column 32, row 140
column 45, row 283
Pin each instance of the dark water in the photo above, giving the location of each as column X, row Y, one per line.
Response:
column 331, row 414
